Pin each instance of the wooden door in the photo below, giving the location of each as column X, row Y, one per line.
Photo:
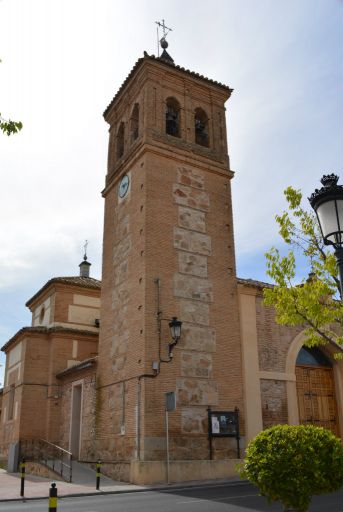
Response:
column 316, row 397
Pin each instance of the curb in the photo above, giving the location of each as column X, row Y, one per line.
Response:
column 171, row 487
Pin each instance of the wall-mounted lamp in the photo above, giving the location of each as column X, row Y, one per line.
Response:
column 174, row 325
column 175, row 330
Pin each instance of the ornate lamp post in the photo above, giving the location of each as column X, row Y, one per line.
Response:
column 327, row 202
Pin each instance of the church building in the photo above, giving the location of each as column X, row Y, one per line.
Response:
column 171, row 356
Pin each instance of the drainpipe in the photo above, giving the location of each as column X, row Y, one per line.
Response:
column 138, row 443
column 139, row 398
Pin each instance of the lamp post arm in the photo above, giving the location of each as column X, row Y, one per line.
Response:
column 323, row 255
column 339, row 257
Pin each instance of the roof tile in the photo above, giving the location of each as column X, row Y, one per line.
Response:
column 47, row 330
column 168, row 64
column 84, row 282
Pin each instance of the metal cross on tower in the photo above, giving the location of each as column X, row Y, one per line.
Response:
column 85, row 249
column 165, row 30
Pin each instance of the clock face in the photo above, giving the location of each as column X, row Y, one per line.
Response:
column 123, row 186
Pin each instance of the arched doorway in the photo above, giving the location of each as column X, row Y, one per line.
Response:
column 316, row 389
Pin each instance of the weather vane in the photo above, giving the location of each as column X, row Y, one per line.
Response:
column 85, row 250
column 162, row 41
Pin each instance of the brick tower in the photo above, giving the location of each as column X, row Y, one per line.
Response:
column 168, row 252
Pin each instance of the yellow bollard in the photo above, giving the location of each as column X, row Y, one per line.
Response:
column 53, row 498
column 98, row 474
column 22, row 476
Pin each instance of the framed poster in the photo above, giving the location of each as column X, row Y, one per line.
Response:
column 223, row 424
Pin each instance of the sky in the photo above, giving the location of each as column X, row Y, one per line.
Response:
column 63, row 61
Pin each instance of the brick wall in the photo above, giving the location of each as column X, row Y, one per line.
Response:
column 86, row 378
column 274, row 402
column 37, row 394
column 273, row 339
column 174, row 224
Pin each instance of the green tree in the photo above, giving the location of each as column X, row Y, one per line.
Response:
column 311, row 302
column 293, row 463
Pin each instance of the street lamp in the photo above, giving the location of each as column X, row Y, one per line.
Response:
column 175, row 331
column 327, row 202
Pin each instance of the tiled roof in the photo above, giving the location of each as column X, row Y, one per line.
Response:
column 87, row 363
column 47, row 330
column 254, row 283
column 169, row 64
column 84, row 282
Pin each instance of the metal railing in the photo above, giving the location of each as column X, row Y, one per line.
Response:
column 51, row 455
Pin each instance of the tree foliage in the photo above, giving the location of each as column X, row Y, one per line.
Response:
column 292, row 463
column 8, row 126
column 313, row 302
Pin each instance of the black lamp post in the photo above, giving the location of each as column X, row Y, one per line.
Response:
column 327, row 202
column 175, row 330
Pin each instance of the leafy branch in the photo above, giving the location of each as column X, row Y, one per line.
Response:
column 8, row 126
column 311, row 302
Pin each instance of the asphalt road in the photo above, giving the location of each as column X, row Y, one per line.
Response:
column 221, row 498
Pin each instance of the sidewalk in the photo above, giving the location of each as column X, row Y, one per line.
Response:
column 38, row 487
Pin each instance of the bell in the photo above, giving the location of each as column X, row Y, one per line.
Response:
column 171, row 124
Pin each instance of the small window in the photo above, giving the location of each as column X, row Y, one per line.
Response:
column 11, row 402
column 120, row 140
column 201, row 127
column 173, row 117
column 41, row 315
column 134, row 123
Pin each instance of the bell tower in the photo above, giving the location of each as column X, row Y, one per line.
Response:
column 168, row 251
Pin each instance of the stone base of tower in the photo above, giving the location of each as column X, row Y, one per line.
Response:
column 152, row 472
column 189, row 459
column 155, row 471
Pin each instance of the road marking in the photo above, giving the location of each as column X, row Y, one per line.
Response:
column 219, row 499
column 190, row 501
column 234, row 497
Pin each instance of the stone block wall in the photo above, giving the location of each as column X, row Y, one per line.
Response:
column 193, row 285
column 189, row 244
column 122, row 335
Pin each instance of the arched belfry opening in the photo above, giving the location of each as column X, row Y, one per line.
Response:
column 201, row 127
column 173, row 117
column 316, row 389
column 134, row 123
column 120, row 140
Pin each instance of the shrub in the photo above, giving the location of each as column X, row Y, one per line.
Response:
column 292, row 463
